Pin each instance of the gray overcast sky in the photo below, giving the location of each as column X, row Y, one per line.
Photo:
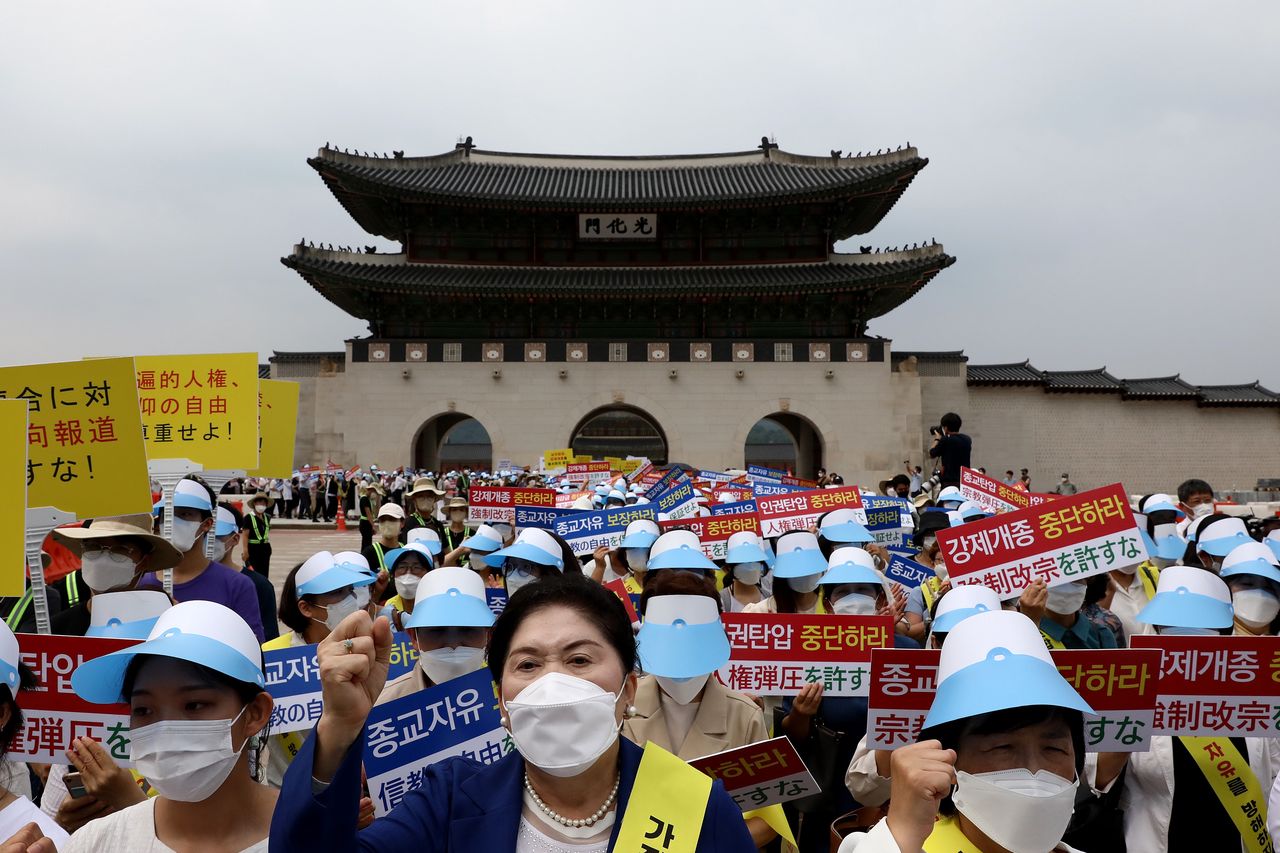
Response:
column 1105, row 172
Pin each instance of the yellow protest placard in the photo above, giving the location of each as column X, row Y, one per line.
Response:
column 200, row 407
column 84, row 439
column 581, row 458
column 277, row 427
column 555, row 459
column 13, row 482
column 626, row 466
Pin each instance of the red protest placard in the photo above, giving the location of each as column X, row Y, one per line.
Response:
column 619, row 588
column 1216, row 685
column 1120, row 684
column 781, row 514
column 1070, row 539
column 494, row 503
column 777, row 654
column 55, row 715
column 760, row 774
column 714, row 531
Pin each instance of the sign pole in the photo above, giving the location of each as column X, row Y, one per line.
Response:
column 216, row 480
column 41, row 520
column 168, row 473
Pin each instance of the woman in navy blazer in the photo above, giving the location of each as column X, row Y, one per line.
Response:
column 563, row 631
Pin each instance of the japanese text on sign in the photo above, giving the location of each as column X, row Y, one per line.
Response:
column 200, row 407
column 777, row 654
column 760, row 774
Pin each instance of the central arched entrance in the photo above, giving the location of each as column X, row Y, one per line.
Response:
column 620, row 431
column 452, row 441
column 786, row 441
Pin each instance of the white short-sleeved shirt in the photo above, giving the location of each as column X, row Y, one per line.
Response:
column 21, row 812
column 133, row 829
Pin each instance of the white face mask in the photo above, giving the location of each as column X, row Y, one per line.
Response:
column 104, row 574
column 407, row 585
column 185, row 760
column 1255, row 606
column 928, row 542
column 1158, row 562
column 807, row 583
column 517, row 579
column 389, row 529
column 1065, row 599
column 562, row 724
column 338, row 611
column 363, row 597
column 259, row 507
column 458, row 514
column 682, row 690
column 184, row 534
column 940, row 569
column 855, row 604
column 1177, row 631
column 506, row 531
column 1131, row 570
column 1021, row 811
column 748, row 573
column 1201, row 510
column 637, row 559
column 446, row 664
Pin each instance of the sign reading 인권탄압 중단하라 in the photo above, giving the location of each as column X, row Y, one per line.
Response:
column 277, row 427
column 85, row 452
column 200, row 407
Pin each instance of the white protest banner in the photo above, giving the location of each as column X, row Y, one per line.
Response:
column 54, row 714
column 406, row 736
column 587, row 531
column 590, row 473
column 1216, row 686
column 760, row 774
column 780, row 514
column 1077, row 537
column 487, row 504
column 1120, row 684
column 713, row 532
column 777, row 654
column 293, row 680
column 993, row 495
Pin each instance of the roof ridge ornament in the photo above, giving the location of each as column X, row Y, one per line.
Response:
column 465, row 147
column 766, row 145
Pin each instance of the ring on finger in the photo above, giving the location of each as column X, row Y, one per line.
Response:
column 348, row 645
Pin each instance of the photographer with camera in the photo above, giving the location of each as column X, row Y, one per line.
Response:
column 951, row 447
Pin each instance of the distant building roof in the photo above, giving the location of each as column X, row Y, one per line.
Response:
column 1252, row 394
column 264, row 371
column 1160, row 387
column 928, row 355
column 1099, row 381
column 1080, row 380
column 1017, row 373
column 298, row 357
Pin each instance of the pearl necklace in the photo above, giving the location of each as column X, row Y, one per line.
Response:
column 564, row 821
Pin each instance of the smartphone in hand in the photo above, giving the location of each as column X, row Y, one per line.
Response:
column 75, row 785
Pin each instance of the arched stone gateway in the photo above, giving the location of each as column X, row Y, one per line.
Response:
column 787, row 441
column 450, row 441
column 619, row 431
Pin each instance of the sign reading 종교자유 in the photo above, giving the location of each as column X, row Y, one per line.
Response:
column 587, row 531
column 85, row 452
column 277, row 427
column 200, row 407
column 1059, row 542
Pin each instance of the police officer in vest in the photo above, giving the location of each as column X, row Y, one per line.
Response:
column 420, row 505
column 257, row 539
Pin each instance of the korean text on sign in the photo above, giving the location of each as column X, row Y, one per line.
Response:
column 293, row 680
column 54, row 714
column 496, row 503
column 200, row 407
column 1089, row 534
column 587, row 531
column 1217, row 685
column 781, row 514
column 713, row 532
column 85, row 452
column 991, row 494
column 760, row 774
column 1120, row 684
column 406, row 736
column 777, row 654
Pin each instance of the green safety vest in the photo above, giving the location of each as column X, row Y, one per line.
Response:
column 259, row 536
column 73, row 588
column 14, row 619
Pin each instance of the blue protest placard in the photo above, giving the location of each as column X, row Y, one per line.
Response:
column 888, row 519
column 714, row 476
column 587, row 531
column 496, row 599
column 677, row 502
column 766, row 473
column 406, row 736
column 541, row 517
column 909, row 573
column 761, row 488
column 738, row 508
column 668, row 480
column 293, row 680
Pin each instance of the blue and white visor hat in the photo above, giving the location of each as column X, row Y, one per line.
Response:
column 971, row 511
column 960, row 603
column 353, row 560
column 428, row 537
column 682, row 636
column 225, row 525
column 1273, row 542
column 1252, row 558
column 1159, row 502
column 995, row 661
column 322, row 573
column 842, row 525
column 679, row 549
column 641, row 533
column 189, row 494
column 1166, row 543
column 392, row 557
column 745, row 547
column 1189, row 597
column 128, row 615
column 449, row 597
column 1222, row 537
column 202, row 632
column 951, row 494
column 852, row 565
column 532, row 544
column 9, row 658
column 485, row 539
column 797, row 555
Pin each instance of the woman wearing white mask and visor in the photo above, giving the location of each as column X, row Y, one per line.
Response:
column 1062, row 625
column 198, row 698
column 1000, row 755
column 1252, row 574
column 745, row 564
column 115, row 553
column 563, row 656
column 630, row 560
column 680, row 704
column 471, row 552
column 798, row 566
column 534, row 555
column 1169, row 804
column 318, row 594
column 408, row 566
column 450, row 629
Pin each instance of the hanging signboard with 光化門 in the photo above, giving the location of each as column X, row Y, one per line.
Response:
column 617, row 226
